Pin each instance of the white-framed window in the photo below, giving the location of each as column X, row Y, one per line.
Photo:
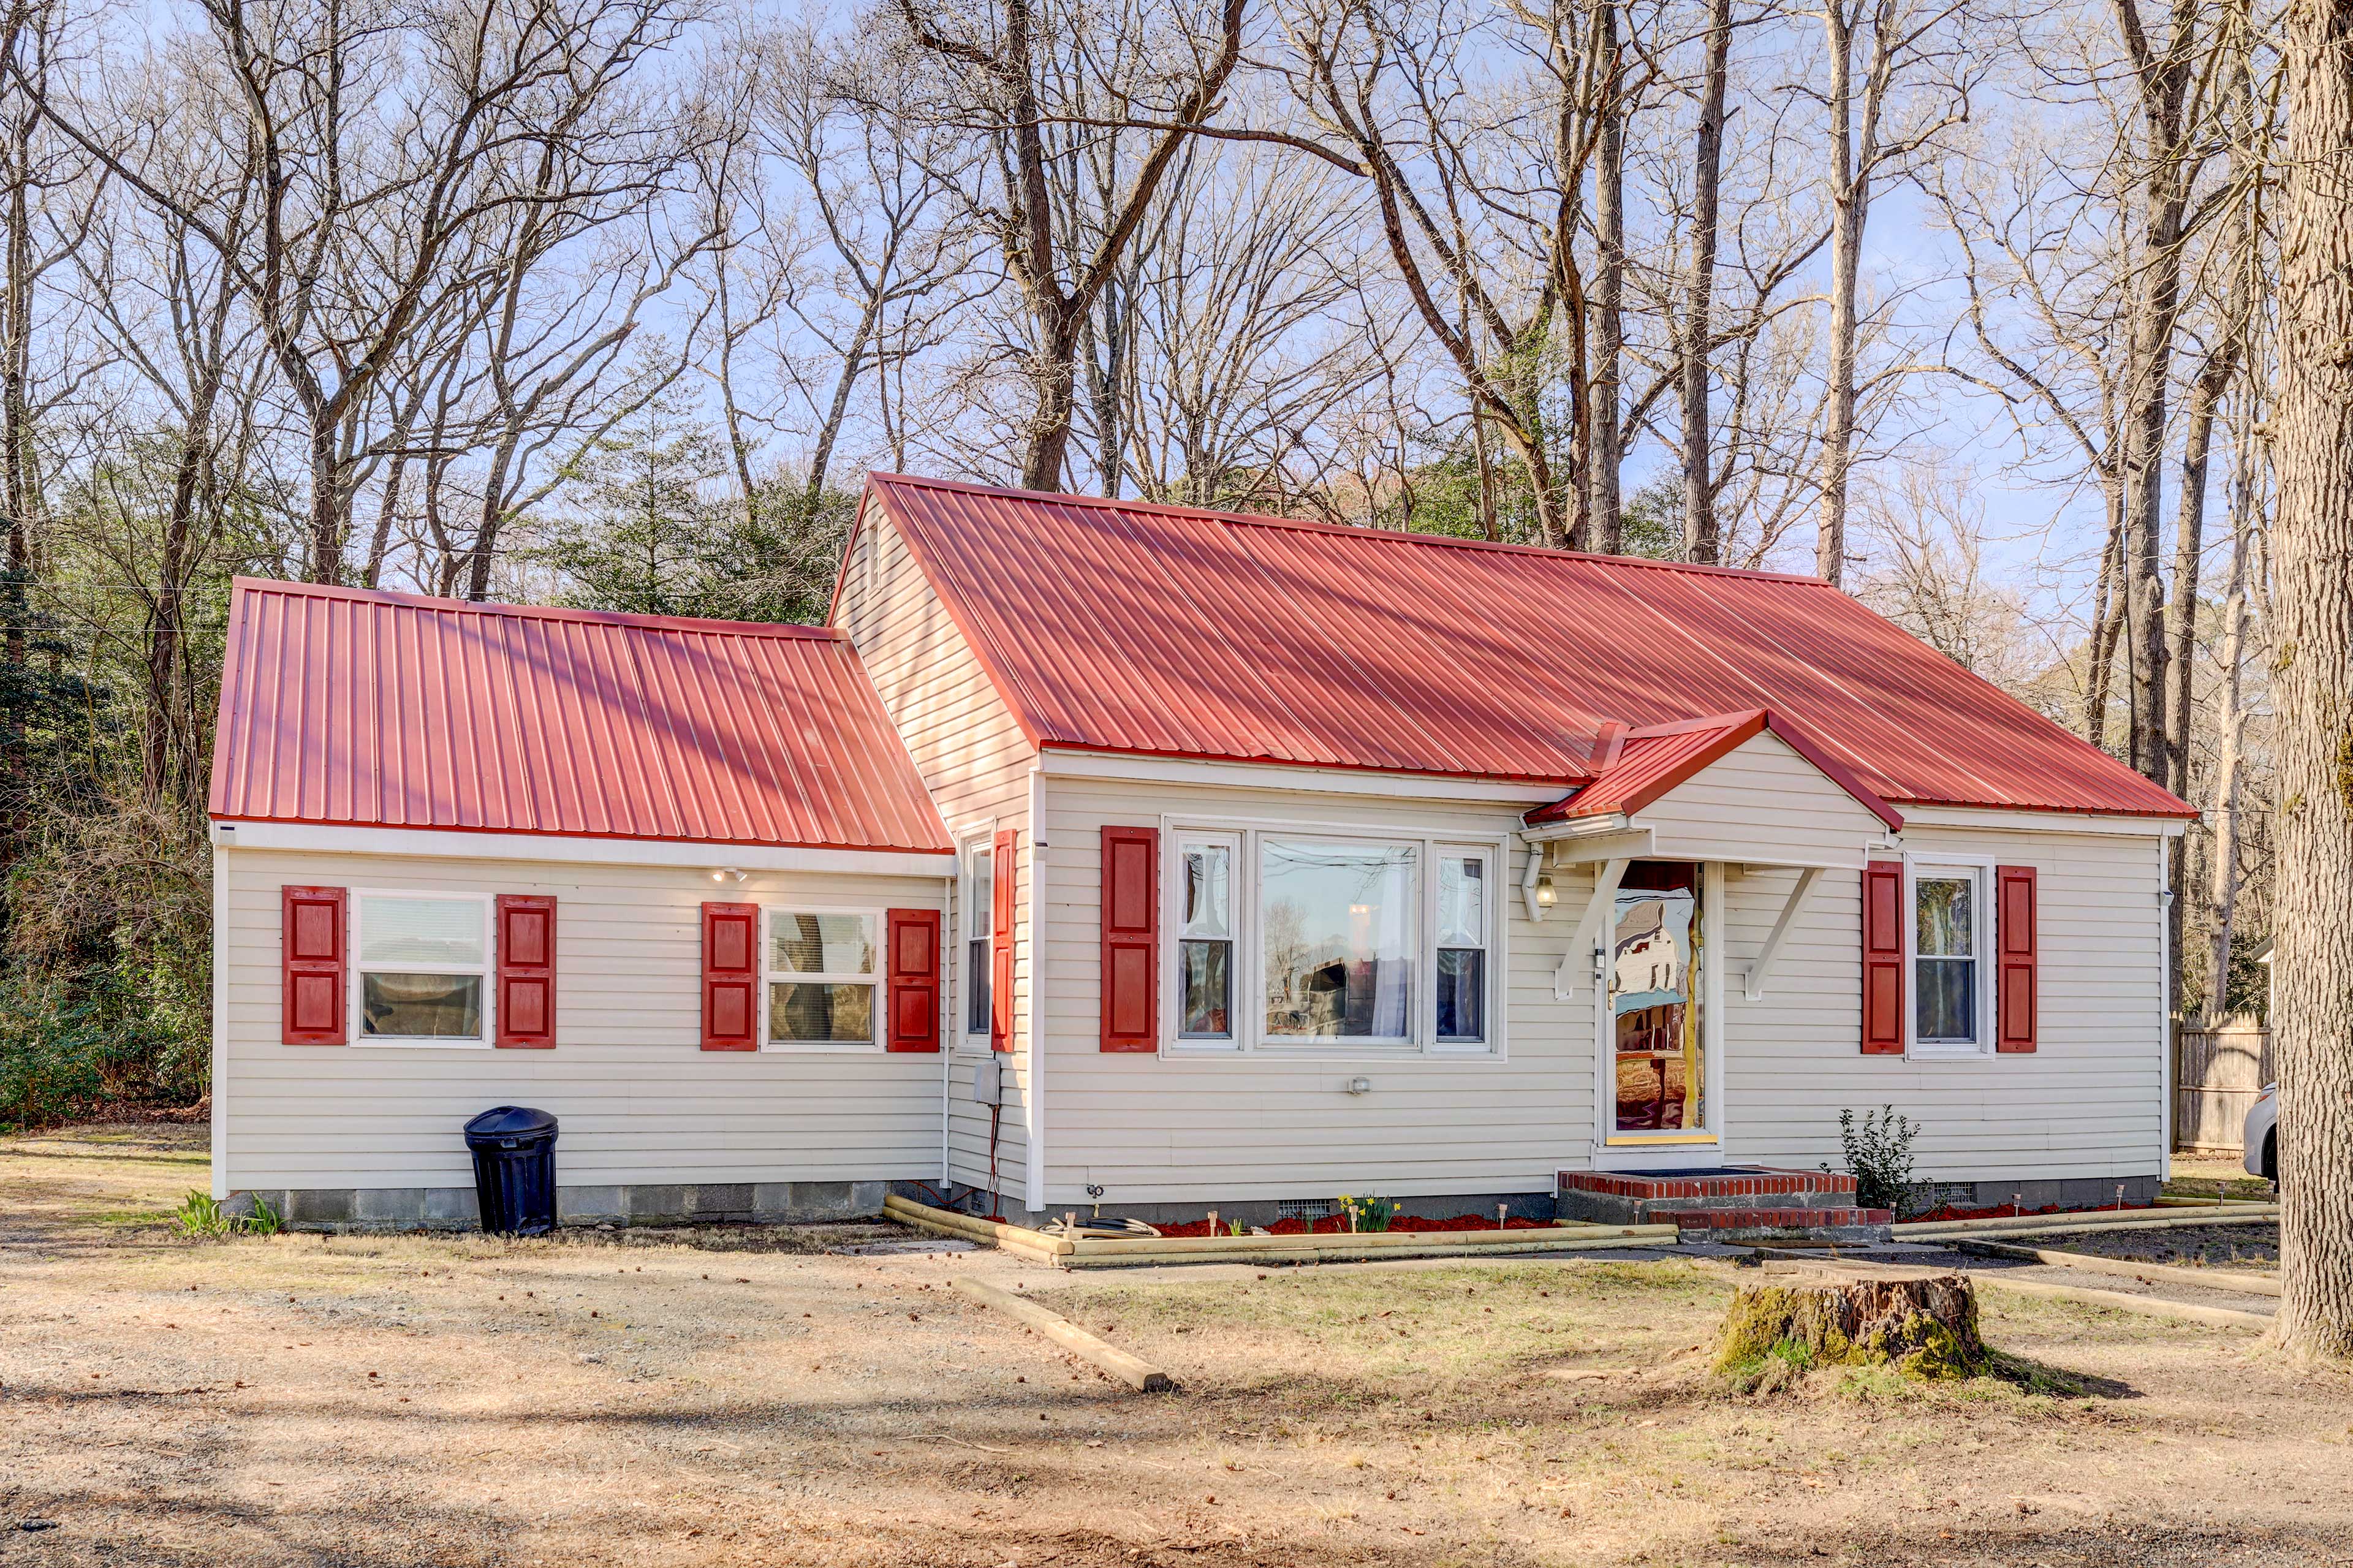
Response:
column 1465, row 916
column 1207, row 886
column 1951, row 938
column 421, row 969
column 1328, row 940
column 821, row 970
column 976, row 910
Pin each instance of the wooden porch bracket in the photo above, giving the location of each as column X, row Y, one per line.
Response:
column 1763, row 966
column 1588, row 927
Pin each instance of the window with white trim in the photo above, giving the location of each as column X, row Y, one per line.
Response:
column 823, row 981
column 980, row 906
column 1462, row 921
column 1205, row 938
column 1950, row 921
column 423, row 962
column 1326, row 939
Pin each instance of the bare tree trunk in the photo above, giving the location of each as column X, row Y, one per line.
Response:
column 2312, row 555
column 1702, row 540
column 1849, row 211
column 2223, row 881
column 1608, row 504
column 2104, row 634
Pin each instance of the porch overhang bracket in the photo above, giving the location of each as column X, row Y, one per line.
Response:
column 1587, row 937
column 1762, row 968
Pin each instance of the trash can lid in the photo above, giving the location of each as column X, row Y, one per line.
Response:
column 509, row 1122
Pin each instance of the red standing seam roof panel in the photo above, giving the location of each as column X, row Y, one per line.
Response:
column 356, row 708
column 1125, row 626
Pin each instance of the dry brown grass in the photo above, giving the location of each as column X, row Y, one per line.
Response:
column 176, row 1402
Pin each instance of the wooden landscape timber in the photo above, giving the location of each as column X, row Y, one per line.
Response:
column 2081, row 1222
column 1132, row 1371
column 1116, row 1252
column 2205, row 1278
column 1994, row 1279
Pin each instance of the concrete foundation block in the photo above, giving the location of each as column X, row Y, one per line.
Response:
column 388, row 1208
column 452, row 1208
column 592, row 1205
column 318, row 1206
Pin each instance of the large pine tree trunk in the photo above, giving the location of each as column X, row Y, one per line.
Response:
column 2312, row 553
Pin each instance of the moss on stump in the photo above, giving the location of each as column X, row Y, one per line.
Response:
column 1921, row 1328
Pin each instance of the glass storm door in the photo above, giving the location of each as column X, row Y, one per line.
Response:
column 1659, row 950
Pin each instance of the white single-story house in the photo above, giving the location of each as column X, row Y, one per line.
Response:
column 1167, row 860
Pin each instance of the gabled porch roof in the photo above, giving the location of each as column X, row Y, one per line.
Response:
column 1635, row 767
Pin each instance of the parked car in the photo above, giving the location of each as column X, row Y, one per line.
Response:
column 2262, row 1134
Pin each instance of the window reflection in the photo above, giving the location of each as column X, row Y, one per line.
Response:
column 1654, row 999
column 1338, row 931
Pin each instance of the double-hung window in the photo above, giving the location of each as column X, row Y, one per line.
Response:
column 423, row 961
column 1462, row 918
column 1280, row 939
column 980, row 907
column 1205, row 938
column 822, row 979
column 1950, row 926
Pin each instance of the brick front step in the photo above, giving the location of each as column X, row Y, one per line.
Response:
column 1658, row 1197
column 1855, row 1226
column 1781, row 1219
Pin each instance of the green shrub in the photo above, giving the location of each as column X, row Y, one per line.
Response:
column 1879, row 1157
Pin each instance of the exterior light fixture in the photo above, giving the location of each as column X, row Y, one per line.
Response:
column 1546, row 894
column 727, row 874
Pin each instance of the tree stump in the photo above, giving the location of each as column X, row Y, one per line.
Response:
column 1922, row 1327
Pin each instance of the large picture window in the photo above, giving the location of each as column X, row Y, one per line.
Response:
column 423, row 961
column 1948, row 929
column 1337, row 922
column 822, row 980
column 1329, row 941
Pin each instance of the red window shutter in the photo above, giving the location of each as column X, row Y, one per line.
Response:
column 312, row 934
column 526, row 972
column 1131, row 945
column 1883, row 958
column 731, row 977
column 913, row 942
column 2015, row 940
column 1005, row 903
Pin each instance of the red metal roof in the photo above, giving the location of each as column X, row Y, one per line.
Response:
column 1123, row 626
column 377, row 710
column 1637, row 768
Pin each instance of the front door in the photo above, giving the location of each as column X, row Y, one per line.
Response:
column 1655, row 1022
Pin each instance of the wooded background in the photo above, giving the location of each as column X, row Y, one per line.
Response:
column 1964, row 305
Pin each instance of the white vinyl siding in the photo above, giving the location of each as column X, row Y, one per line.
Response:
column 976, row 761
column 1199, row 1127
column 1762, row 797
column 639, row 1099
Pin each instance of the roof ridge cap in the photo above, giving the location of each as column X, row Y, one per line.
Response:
column 1309, row 525
column 400, row 598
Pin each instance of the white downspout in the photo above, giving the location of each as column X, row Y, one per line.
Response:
column 950, row 943
column 2164, row 1017
column 1033, row 1034
column 220, row 1020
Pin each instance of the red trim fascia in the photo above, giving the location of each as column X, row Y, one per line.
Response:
column 596, row 838
column 232, row 678
column 919, row 549
column 1737, row 728
column 783, row 630
column 2186, row 814
column 1835, row 771
column 1057, row 497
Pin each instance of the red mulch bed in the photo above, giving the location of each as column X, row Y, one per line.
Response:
column 2010, row 1211
column 1338, row 1225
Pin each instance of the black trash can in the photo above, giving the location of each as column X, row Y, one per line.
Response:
column 514, row 1169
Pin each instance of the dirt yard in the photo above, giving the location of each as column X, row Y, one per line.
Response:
column 619, row 1398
